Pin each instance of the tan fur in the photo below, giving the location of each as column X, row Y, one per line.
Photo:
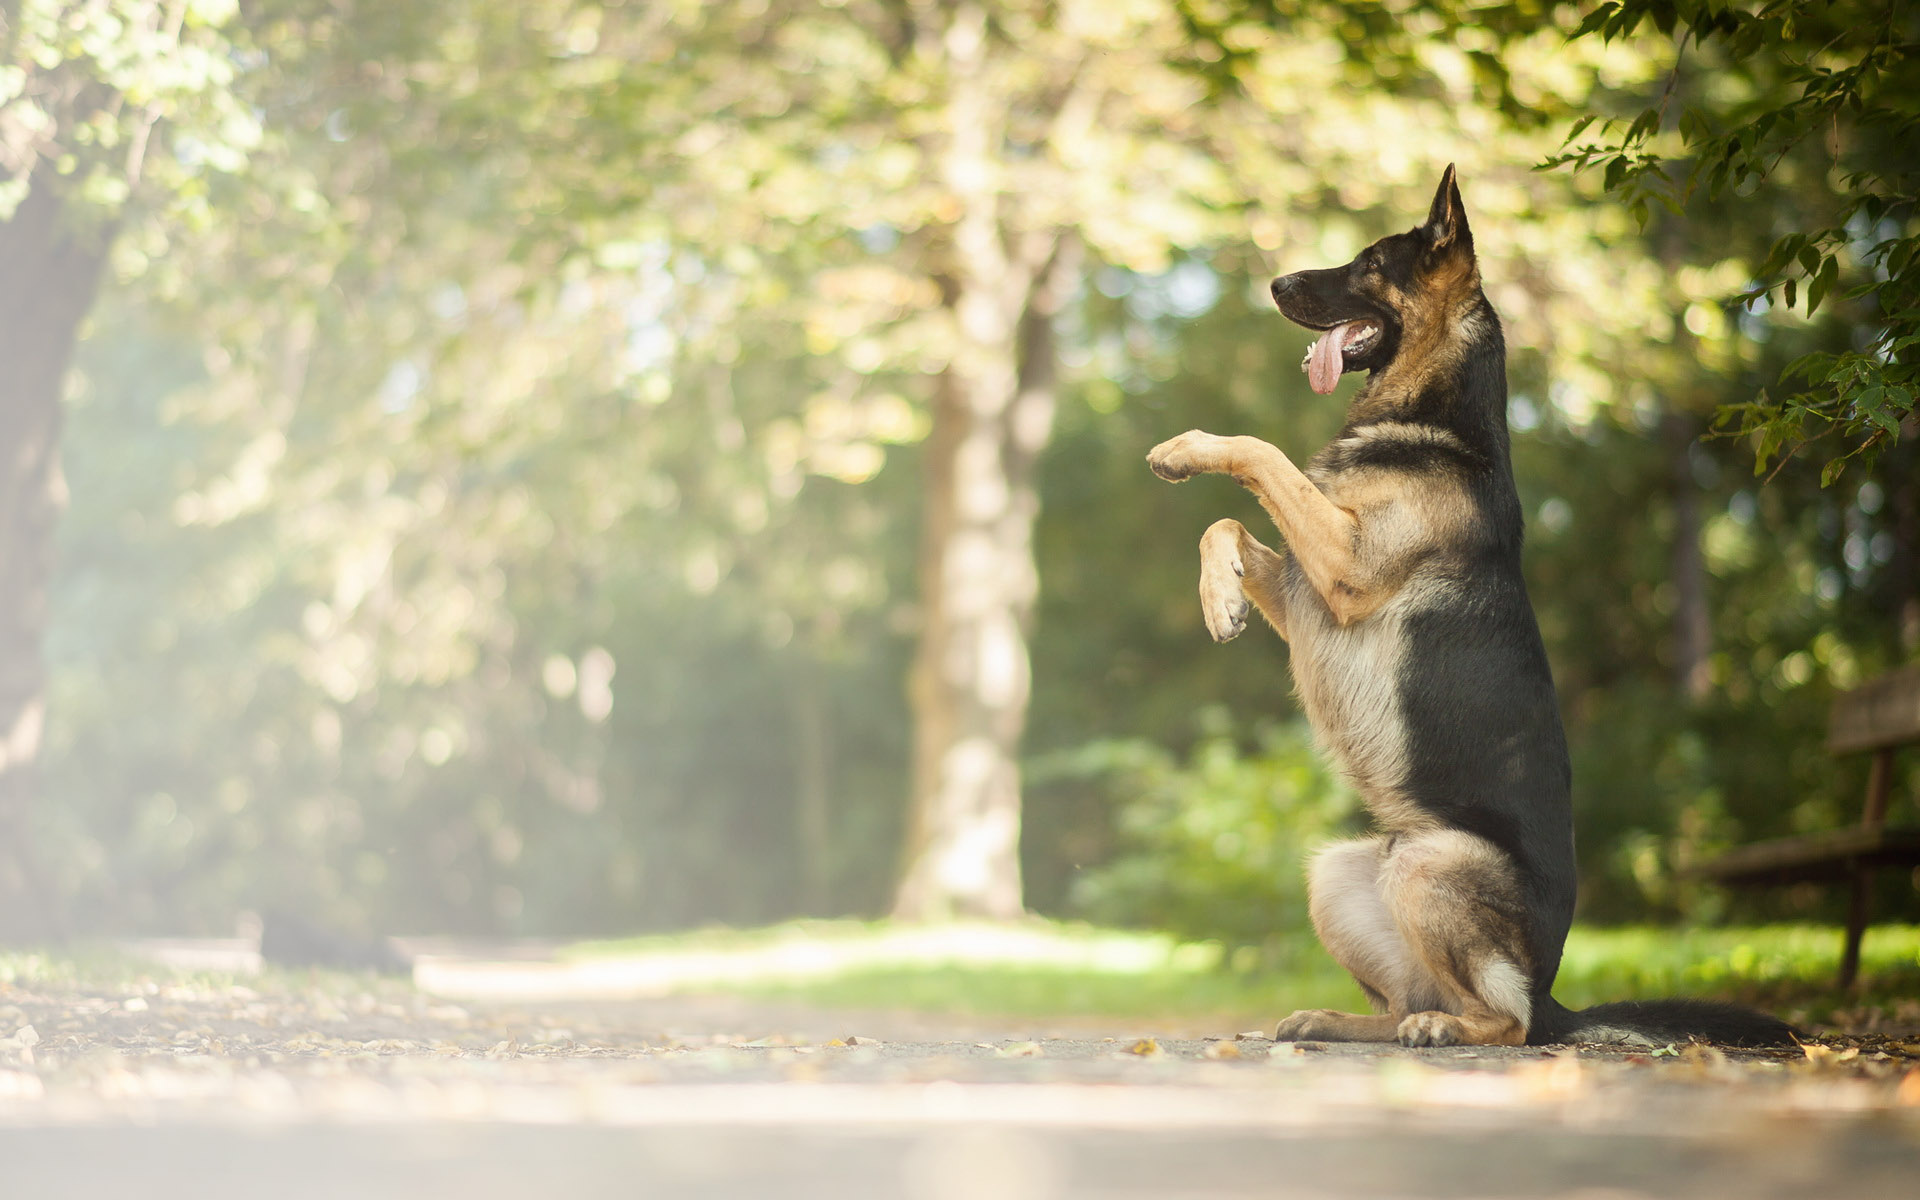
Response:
column 1401, row 431
column 1375, row 547
column 1351, row 917
column 1235, row 569
column 1356, row 536
column 1430, row 341
column 1319, row 535
column 1344, row 676
column 1453, row 896
column 1418, row 921
column 1425, row 916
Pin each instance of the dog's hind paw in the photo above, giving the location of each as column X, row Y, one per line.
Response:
column 1307, row 1025
column 1431, row 1029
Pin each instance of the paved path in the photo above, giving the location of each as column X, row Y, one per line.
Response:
column 344, row 1089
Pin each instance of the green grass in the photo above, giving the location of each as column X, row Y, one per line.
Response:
column 100, row 968
column 1034, row 968
column 90, row 967
column 1044, row 969
column 1787, row 968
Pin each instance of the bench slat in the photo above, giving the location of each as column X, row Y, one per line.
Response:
column 1883, row 712
column 1816, row 857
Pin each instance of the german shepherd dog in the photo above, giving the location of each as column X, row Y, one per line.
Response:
column 1418, row 661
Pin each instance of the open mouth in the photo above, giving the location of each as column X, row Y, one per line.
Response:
column 1327, row 358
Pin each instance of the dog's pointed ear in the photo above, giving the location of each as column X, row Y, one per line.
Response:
column 1447, row 220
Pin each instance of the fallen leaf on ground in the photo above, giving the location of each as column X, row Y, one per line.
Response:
column 1909, row 1091
column 1703, row 1058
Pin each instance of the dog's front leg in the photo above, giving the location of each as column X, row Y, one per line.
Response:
column 1321, row 535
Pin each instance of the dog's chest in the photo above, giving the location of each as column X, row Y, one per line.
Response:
column 1349, row 680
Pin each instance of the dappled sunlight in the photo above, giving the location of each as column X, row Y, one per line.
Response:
column 522, row 472
column 527, row 471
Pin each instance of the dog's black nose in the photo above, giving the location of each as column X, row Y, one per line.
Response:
column 1284, row 284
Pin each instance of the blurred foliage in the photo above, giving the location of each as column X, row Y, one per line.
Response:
column 1803, row 114
column 133, row 102
column 1788, row 88
column 497, row 510
column 1212, row 847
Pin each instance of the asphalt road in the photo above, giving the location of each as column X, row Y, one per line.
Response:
column 332, row 1091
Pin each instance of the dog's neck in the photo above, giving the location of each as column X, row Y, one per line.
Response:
column 1450, row 370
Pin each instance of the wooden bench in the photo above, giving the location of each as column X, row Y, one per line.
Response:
column 1878, row 718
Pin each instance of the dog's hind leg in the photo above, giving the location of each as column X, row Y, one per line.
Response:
column 1236, row 569
column 1355, row 924
column 1456, row 901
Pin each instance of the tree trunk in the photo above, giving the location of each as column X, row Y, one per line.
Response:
column 1692, row 615
column 993, row 414
column 1900, row 471
column 49, row 273
column 971, row 675
column 812, row 790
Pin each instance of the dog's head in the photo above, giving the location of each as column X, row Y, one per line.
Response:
column 1366, row 309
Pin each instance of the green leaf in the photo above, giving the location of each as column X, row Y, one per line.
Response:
column 1596, row 20
column 1782, row 253
column 1822, row 283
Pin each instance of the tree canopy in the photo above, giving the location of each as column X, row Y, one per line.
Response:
column 505, row 461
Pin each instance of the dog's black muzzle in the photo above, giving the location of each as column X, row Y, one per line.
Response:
column 1323, row 299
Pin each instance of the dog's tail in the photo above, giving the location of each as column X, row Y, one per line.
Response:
column 1657, row 1023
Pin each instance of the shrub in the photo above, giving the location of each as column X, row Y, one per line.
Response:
column 1213, row 847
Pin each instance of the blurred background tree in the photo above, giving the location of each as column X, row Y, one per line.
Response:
column 108, row 112
column 511, row 495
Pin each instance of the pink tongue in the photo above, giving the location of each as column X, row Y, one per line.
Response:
column 1324, row 364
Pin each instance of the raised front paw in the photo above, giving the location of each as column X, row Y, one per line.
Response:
column 1223, row 601
column 1192, row 453
column 1225, row 610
